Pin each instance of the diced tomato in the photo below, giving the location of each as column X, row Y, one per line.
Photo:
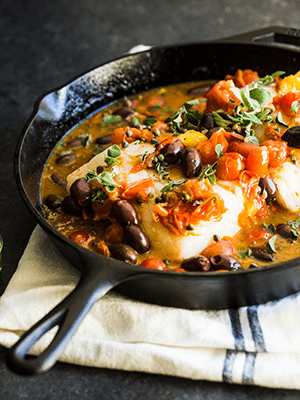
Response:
column 154, row 263
column 284, row 102
column 140, row 189
column 120, row 135
column 208, row 148
column 255, row 203
column 229, row 166
column 221, row 97
column 243, row 77
column 197, row 189
column 79, row 237
column 155, row 101
column 258, row 161
column 159, row 125
column 260, row 235
column 242, row 148
column 249, row 182
column 278, row 152
column 102, row 248
column 222, row 246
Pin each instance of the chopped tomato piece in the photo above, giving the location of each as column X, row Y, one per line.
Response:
column 221, row 97
column 255, row 204
column 222, row 246
column 249, row 182
column 102, row 248
column 243, row 77
column 285, row 102
column 79, row 237
column 230, row 166
column 258, row 161
column 138, row 189
column 278, row 152
column 154, row 263
column 208, row 148
column 159, row 125
column 259, row 236
column 197, row 189
column 120, row 135
column 155, row 101
column 242, row 148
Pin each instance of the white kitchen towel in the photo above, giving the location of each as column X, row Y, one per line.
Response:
column 256, row 345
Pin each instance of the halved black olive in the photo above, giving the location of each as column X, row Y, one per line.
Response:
column 222, row 261
column 267, row 183
column 207, row 122
column 292, row 137
column 261, row 254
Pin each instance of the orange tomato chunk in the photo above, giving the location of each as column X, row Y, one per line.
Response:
column 258, row 161
column 229, row 166
column 222, row 246
column 278, row 152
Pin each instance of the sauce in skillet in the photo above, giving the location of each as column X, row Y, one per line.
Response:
column 192, row 177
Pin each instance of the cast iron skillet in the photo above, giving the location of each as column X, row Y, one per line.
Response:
column 61, row 109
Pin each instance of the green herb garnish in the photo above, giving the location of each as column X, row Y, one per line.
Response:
column 209, row 172
column 170, row 185
column 111, row 119
column 271, row 244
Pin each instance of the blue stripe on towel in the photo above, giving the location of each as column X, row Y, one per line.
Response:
column 236, row 329
column 248, row 372
column 256, row 330
column 228, row 366
column 239, row 344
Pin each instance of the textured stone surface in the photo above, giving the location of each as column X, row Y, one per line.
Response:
column 45, row 44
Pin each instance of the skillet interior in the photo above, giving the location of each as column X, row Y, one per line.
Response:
column 60, row 110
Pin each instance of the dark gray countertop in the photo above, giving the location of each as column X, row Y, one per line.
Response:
column 46, row 44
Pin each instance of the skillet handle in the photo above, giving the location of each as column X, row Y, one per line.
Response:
column 67, row 315
column 289, row 37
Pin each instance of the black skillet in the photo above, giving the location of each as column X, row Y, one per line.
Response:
column 265, row 51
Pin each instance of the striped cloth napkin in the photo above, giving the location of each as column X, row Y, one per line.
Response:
column 256, row 345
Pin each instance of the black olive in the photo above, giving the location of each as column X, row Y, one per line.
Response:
column 222, row 261
column 59, row 180
column 172, row 151
column 292, row 136
column 207, row 122
column 70, row 207
column 81, row 192
column 261, row 254
column 136, row 238
column 75, row 142
column 65, row 159
column 124, row 213
column 191, row 163
column 267, row 183
column 124, row 112
column 197, row 263
column 285, row 231
column 52, row 201
column 101, row 140
column 123, row 252
column 199, row 90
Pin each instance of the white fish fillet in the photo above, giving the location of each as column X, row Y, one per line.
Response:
column 287, row 180
column 161, row 239
column 180, row 247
